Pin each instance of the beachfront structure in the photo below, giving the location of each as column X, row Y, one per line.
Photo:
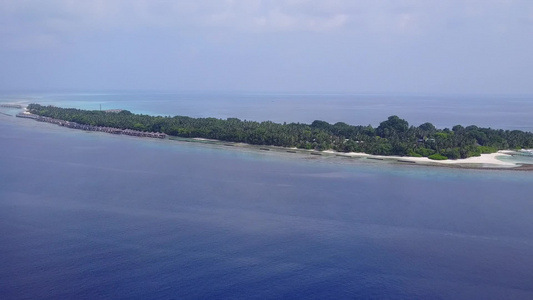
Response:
column 75, row 125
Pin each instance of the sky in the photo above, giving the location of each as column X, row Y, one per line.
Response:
column 337, row 46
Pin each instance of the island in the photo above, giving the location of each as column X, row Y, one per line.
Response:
column 393, row 137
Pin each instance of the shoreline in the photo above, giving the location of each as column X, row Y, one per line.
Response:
column 74, row 125
column 490, row 160
column 483, row 162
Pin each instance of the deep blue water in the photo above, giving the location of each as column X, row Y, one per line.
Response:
column 90, row 215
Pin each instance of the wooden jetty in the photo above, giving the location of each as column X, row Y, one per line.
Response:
column 11, row 105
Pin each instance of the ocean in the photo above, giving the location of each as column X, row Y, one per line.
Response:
column 86, row 215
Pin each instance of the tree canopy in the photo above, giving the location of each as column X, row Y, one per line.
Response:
column 393, row 136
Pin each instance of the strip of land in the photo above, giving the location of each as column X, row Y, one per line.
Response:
column 484, row 161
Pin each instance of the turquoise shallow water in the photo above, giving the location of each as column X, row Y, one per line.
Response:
column 87, row 215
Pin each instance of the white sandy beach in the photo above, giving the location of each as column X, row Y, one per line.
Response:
column 488, row 160
column 205, row 140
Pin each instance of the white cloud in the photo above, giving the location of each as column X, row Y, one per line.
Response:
column 377, row 16
column 281, row 21
column 346, row 37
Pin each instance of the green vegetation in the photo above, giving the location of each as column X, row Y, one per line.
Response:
column 392, row 137
column 437, row 156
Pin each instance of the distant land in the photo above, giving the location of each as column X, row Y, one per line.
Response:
column 393, row 136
